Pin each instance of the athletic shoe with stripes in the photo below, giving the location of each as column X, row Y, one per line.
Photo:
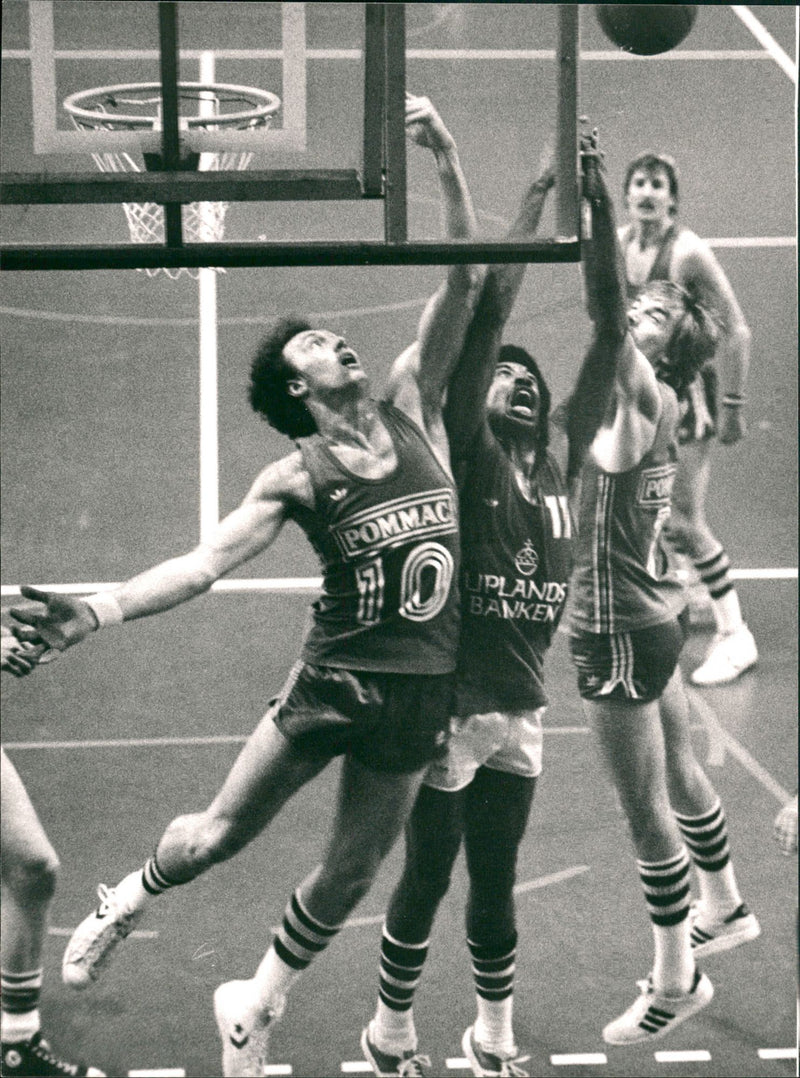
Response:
column 34, row 1058
column 729, row 656
column 93, row 941
column 244, row 1029
column 711, row 936
column 652, row 1015
column 484, row 1062
column 409, row 1065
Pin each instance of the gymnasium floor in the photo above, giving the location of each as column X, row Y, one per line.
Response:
column 101, row 477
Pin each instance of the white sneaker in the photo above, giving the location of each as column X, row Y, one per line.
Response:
column 652, row 1016
column 729, row 656
column 92, row 942
column 711, row 936
column 244, row 1029
column 484, row 1062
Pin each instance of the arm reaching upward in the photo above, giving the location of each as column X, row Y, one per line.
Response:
column 614, row 376
column 469, row 382
column 424, row 368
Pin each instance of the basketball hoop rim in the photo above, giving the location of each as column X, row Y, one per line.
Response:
column 74, row 105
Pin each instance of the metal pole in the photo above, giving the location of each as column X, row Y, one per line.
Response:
column 374, row 99
column 567, row 200
column 170, row 141
column 395, row 206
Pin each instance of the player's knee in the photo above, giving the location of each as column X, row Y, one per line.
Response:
column 33, row 879
column 204, row 840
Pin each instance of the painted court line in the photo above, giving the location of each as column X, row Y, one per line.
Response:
column 314, row 583
column 765, row 38
column 159, row 1072
column 579, row 1059
column 138, row 933
column 688, row 1056
column 777, row 1053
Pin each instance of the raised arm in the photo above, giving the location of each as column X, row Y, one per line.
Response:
column 245, row 532
column 469, row 383
column 422, row 371
column 701, row 274
column 616, row 388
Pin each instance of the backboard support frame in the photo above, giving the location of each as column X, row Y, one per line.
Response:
column 383, row 174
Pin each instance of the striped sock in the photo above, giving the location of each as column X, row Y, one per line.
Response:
column 19, row 995
column 715, row 574
column 401, row 968
column 153, row 879
column 707, row 839
column 493, row 969
column 666, row 892
column 301, row 937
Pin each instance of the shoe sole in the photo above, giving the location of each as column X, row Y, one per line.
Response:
column 727, row 942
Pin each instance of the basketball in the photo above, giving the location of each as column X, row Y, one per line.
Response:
column 646, row 29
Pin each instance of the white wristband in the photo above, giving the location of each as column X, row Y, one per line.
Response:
column 106, row 609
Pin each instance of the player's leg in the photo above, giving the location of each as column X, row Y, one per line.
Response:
column 720, row 920
column 632, row 746
column 267, row 772
column 28, row 879
column 371, row 810
column 495, row 818
column 734, row 649
column 432, row 841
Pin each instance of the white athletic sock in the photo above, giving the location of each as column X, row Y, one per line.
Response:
column 131, row 892
column 728, row 613
column 392, row 1031
column 20, row 992
column 19, row 1027
column 673, row 968
column 494, row 1024
column 273, row 980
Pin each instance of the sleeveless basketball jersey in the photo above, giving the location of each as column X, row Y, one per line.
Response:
column 389, row 550
column 659, row 271
column 620, row 581
column 516, row 561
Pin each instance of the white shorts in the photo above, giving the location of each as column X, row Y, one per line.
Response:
column 502, row 740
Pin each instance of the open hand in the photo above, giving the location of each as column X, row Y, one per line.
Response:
column 65, row 620
column 425, row 126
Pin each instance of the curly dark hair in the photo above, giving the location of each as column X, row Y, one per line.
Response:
column 694, row 338
column 270, row 372
column 512, row 353
column 651, row 162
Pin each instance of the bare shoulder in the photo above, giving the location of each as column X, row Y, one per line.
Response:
column 285, row 480
column 690, row 248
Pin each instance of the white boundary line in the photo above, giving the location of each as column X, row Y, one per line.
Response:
column 314, row 583
column 765, row 38
column 355, row 55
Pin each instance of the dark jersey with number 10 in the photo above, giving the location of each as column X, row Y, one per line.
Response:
column 389, row 550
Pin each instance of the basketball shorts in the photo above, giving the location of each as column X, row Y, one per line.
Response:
column 699, row 407
column 388, row 722
column 635, row 665
column 505, row 740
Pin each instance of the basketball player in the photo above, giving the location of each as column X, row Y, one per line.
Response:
column 370, row 484
column 625, row 634
column 28, row 871
column 516, row 539
column 655, row 248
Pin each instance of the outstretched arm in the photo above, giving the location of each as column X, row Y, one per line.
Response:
column 469, row 382
column 245, row 532
column 616, row 387
column 424, row 368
